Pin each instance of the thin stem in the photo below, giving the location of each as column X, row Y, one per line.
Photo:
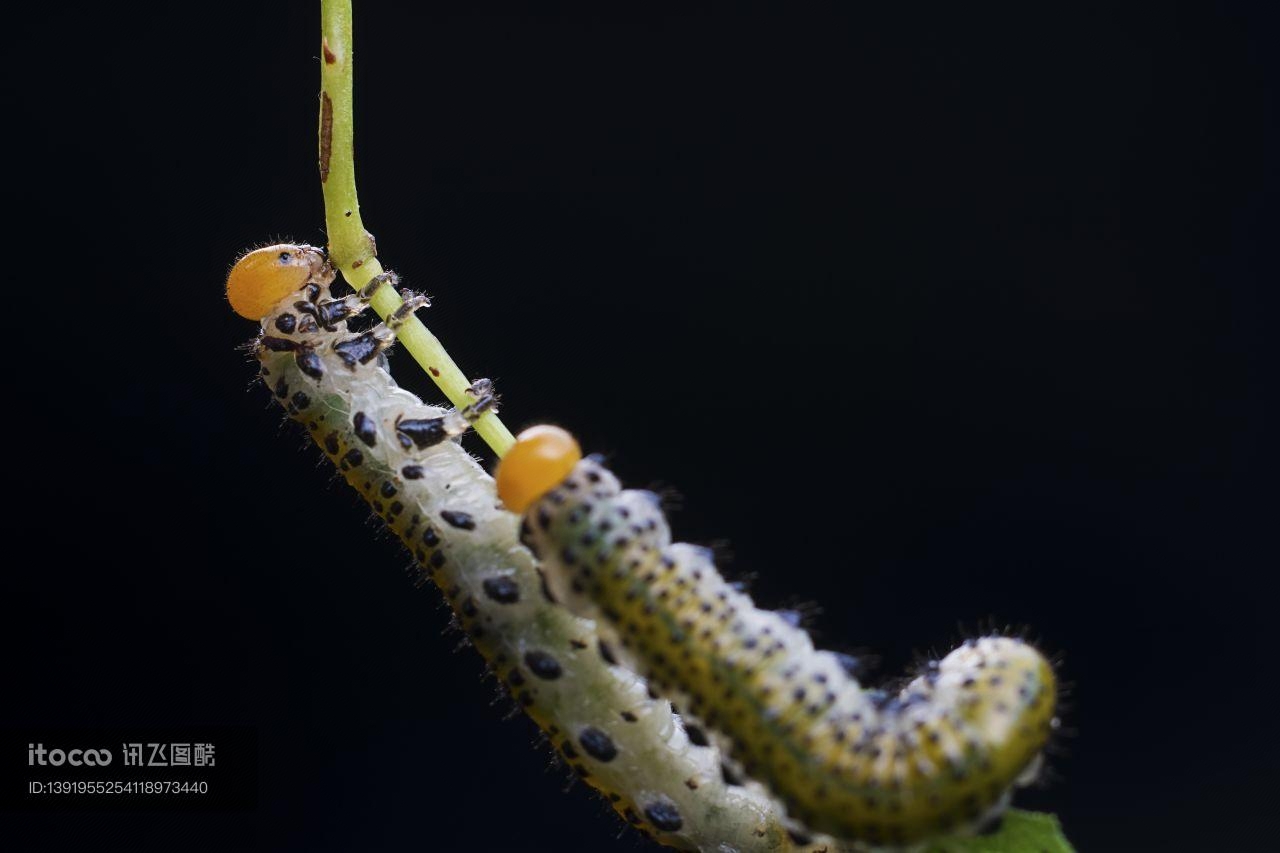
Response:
column 351, row 248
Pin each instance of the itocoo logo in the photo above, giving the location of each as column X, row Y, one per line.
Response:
column 37, row 754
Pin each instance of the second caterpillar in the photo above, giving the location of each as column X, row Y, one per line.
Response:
column 940, row 756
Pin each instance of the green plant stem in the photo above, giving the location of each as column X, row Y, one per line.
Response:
column 351, row 247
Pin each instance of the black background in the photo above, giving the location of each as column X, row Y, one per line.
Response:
column 937, row 317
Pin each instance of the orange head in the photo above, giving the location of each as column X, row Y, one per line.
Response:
column 262, row 277
column 538, row 462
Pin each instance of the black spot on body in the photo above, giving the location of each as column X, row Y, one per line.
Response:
column 430, row 538
column 607, row 654
column 664, row 815
column 502, row 589
column 597, row 744
column 543, row 665
column 301, row 400
column 460, row 520
column 358, row 350
column 420, row 432
column 328, row 314
column 279, row 344
column 309, row 363
column 412, row 472
column 387, row 489
column 366, row 429
column 353, row 458
column 286, row 323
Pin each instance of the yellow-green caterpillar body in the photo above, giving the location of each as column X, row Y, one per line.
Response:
column 939, row 756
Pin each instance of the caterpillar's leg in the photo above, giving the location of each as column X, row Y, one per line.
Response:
column 327, row 313
column 413, row 432
column 375, row 284
column 428, row 432
column 366, row 347
column 486, row 400
column 412, row 302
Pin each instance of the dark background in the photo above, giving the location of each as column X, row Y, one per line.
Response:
column 984, row 294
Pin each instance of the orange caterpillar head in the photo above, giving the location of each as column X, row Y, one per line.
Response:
column 538, row 462
column 262, row 277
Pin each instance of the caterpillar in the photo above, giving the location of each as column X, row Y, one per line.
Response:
column 570, row 588
column 402, row 457
column 940, row 755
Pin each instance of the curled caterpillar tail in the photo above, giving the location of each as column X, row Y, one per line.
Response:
column 938, row 757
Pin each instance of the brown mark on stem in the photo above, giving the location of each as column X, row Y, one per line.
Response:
column 326, row 135
column 329, row 56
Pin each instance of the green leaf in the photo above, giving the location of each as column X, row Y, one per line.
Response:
column 1021, row 832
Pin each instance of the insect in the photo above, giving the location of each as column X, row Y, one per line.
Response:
column 939, row 755
column 401, row 456
column 570, row 589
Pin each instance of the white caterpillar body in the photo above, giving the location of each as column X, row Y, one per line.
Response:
column 401, row 456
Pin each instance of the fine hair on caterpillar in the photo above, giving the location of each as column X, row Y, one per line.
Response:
column 572, row 590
